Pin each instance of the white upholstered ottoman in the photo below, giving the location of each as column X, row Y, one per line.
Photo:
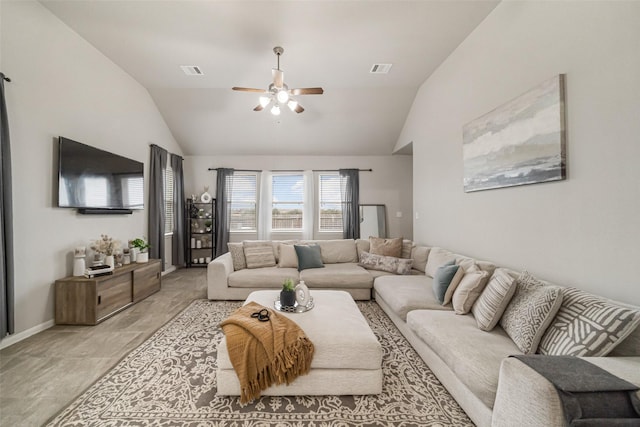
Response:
column 347, row 358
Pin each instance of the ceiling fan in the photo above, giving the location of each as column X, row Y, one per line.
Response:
column 278, row 92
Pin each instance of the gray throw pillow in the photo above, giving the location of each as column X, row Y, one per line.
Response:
column 531, row 310
column 442, row 279
column 237, row 256
column 308, row 256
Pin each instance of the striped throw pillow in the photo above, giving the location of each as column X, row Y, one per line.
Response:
column 259, row 254
column 494, row 299
column 587, row 326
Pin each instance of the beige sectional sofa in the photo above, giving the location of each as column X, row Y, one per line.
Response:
column 340, row 272
column 471, row 363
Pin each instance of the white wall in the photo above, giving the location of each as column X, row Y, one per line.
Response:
column 389, row 183
column 61, row 85
column 581, row 232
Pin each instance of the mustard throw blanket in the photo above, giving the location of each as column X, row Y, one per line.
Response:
column 265, row 353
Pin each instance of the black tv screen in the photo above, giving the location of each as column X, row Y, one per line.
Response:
column 90, row 178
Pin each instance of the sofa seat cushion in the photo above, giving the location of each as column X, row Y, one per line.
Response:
column 473, row 355
column 266, row 277
column 379, row 273
column 405, row 293
column 337, row 276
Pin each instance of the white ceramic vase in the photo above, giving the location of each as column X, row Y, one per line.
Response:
column 110, row 261
column 78, row 267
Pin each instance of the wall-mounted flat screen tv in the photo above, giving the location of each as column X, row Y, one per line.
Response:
column 90, row 178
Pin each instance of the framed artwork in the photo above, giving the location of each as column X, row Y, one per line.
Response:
column 521, row 142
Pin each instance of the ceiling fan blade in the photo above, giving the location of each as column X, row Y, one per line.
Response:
column 248, row 89
column 298, row 109
column 258, row 108
column 307, row 91
column 278, row 78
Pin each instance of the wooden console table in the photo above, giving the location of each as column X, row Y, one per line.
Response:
column 83, row 301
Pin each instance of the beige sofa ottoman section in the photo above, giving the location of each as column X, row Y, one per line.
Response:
column 347, row 358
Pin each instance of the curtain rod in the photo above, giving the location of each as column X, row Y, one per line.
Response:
column 290, row 170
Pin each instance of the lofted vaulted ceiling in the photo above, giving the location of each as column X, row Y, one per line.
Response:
column 331, row 44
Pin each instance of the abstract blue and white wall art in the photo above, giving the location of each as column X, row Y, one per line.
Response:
column 521, row 142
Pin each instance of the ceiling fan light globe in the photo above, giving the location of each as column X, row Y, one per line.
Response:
column 292, row 105
column 275, row 110
column 282, row 96
column 264, row 101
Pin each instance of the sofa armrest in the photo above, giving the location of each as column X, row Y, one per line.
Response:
column 218, row 272
column 525, row 398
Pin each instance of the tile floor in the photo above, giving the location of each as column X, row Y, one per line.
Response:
column 42, row 374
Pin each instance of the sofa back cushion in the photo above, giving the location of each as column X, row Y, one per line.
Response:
column 437, row 257
column 588, row 325
column 469, row 289
column 337, row 251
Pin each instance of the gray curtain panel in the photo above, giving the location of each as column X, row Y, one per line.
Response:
column 156, row 202
column 350, row 194
column 6, row 224
column 224, row 187
column 177, row 249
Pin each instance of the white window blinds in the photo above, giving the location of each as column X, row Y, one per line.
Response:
column 242, row 202
column 330, row 203
column 168, row 200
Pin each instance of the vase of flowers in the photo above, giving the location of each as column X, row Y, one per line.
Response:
column 106, row 246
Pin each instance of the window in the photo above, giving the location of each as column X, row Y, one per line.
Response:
column 168, row 200
column 330, row 203
column 242, row 201
column 287, row 202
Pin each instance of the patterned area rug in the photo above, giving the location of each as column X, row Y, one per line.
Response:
column 170, row 380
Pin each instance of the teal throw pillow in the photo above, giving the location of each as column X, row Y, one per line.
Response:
column 308, row 256
column 442, row 279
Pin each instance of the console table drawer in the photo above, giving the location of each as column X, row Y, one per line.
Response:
column 146, row 281
column 113, row 294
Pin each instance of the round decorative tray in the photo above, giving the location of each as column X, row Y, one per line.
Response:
column 295, row 309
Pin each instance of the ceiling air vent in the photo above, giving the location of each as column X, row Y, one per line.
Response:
column 192, row 70
column 380, row 68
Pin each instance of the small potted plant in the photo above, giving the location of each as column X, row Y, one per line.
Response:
column 142, row 246
column 207, row 225
column 288, row 294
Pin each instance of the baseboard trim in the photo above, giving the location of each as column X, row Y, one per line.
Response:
column 169, row 270
column 12, row 339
